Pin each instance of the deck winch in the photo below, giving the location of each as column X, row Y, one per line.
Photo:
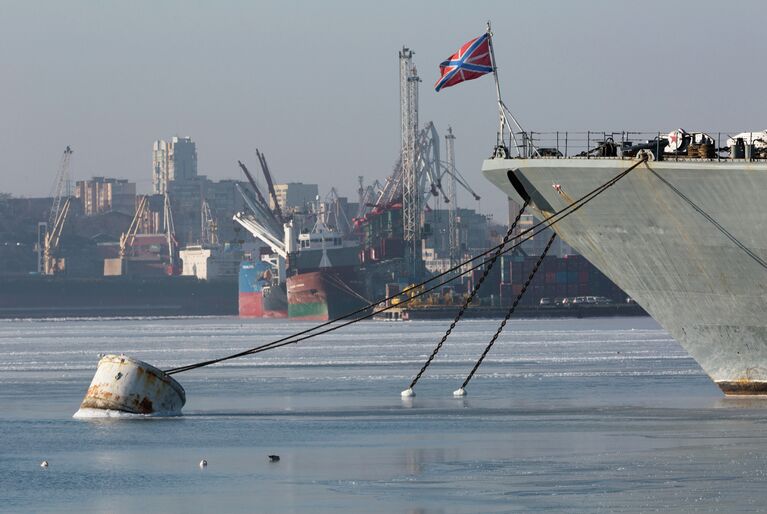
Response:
column 125, row 384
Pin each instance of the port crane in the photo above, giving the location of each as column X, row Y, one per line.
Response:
column 411, row 201
column 170, row 236
column 431, row 171
column 209, row 226
column 60, row 189
column 335, row 214
column 49, row 263
column 127, row 238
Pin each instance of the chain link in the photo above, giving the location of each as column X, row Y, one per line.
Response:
column 468, row 301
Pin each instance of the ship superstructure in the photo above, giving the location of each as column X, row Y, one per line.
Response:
column 324, row 279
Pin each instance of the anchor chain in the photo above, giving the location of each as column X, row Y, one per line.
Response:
column 462, row 390
column 467, row 302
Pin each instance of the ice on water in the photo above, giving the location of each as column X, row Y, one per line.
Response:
column 565, row 415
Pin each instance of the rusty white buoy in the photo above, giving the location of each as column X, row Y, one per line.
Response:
column 125, row 384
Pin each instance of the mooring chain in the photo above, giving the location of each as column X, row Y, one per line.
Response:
column 364, row 312
column 462, row 390
column 467, row 302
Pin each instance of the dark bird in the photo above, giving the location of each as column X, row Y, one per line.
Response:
column 274, row 458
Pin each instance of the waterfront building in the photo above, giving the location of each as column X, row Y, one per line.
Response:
column 295, row 196
column 100, row 195
column 174, row 160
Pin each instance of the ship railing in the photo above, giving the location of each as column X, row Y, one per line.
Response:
column 702, row 145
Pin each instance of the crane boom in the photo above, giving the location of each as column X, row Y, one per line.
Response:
column 127, row 238
column 59, row 183
column 261, row 200
column 208, row 225
column 252, row 225
column 270, row 185
column 264, row 215
column 170, row 232
column 53, row 238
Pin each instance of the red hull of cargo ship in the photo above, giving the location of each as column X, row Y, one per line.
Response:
column 254, row 305
column 275, row 301
column 259, row 297
column 251, row 305
column 324, row 295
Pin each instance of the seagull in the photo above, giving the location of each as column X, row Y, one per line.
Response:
column 203, row 464
column 274, row 458
column 44, row 464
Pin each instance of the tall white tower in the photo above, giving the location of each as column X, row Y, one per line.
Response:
column 452, row 194
column 411, row 209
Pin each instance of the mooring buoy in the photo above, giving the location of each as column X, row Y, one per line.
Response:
column 125, row 384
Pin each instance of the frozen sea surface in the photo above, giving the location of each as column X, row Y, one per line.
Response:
column 597, row 415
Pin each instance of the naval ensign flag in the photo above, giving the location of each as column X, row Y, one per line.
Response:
column 471, row 61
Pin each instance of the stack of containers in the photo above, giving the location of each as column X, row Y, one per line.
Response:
column 557, row 277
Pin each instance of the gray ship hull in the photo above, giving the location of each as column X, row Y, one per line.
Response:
column 697, row 283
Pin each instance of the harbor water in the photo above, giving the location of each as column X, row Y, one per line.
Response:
column 566, row 415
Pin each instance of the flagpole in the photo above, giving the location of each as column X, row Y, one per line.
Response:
column 501, row 117
column 502, row 122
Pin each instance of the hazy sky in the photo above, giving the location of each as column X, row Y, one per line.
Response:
column 315, row 84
